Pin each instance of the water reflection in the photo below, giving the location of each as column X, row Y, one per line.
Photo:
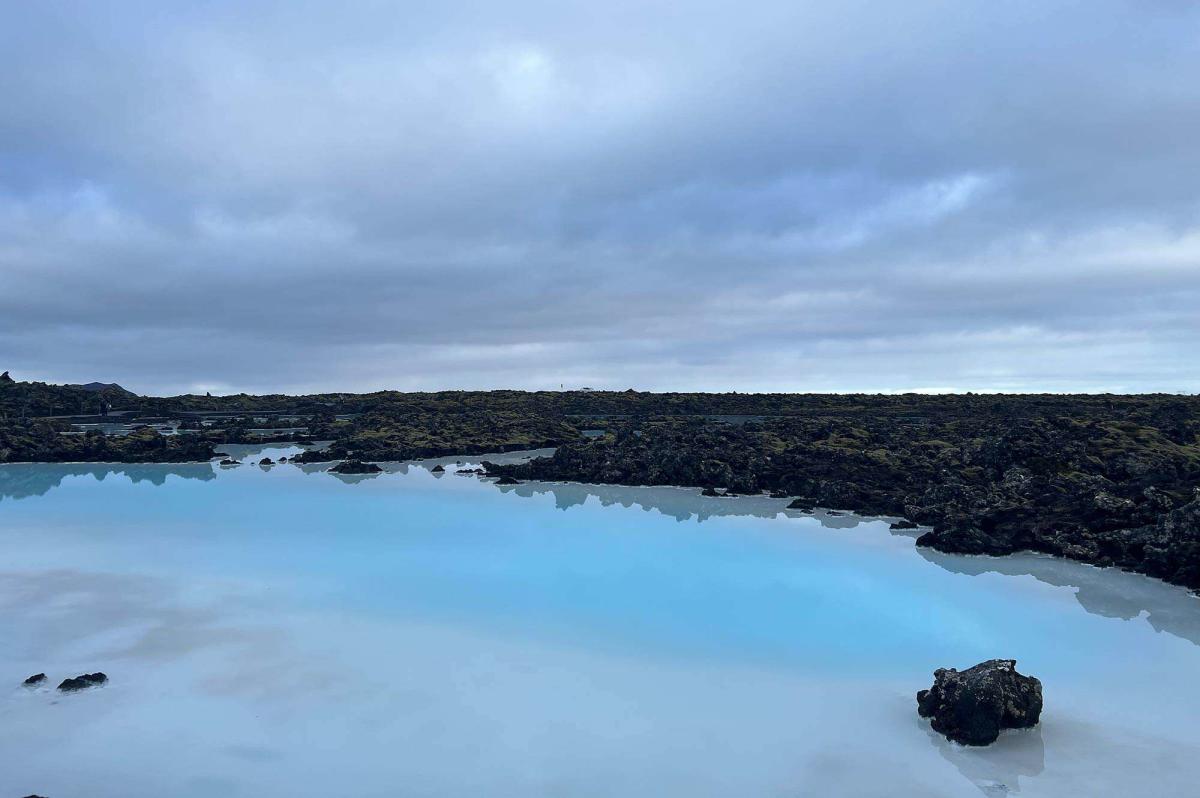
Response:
column 682, row 504
column 24, row 480
column 1107, row 592
column 996, row 770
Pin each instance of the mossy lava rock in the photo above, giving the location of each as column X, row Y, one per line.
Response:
column 972, row 706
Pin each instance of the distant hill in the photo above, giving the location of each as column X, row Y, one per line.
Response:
column 97, row 387
column 34, row 399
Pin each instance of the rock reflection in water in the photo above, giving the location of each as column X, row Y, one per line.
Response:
column 1107, row 592
column 24, row 480
column 682, row 504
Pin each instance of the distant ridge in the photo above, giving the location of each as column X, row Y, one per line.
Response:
column 96, row 387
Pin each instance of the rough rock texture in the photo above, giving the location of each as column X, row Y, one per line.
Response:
column 1104, row 480
column 355, row 467
column 82, row 682
column 972, row 706
column 37, row 678
column 266, row 461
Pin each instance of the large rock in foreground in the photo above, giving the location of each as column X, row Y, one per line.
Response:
column 972, row 706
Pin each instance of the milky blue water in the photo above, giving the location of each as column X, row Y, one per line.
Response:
column 288, row 632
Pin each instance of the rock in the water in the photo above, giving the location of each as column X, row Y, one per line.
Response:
column 355, row 467
column 972, row 706
column 438, row 469
column 808, row 505
column 229, row 461
column 266, row 461
column 904, row 524
column 81, row 682
column 709, row 492
column 36, row 679
column 507, row 480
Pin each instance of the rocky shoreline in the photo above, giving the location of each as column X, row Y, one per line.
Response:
column 1108, row 480
column 1106, row 494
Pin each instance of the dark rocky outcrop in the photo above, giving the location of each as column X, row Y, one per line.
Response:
column 355, row 467
column 904, row 524
column 438, row 469
column 266, row 461
column 972, row 706
column 508, row 481
column 1104, row 480
column 36, row 679
column 82, row 682
column 229, row 461
column 709, row 492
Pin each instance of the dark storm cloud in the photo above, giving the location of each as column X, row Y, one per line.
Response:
column 939, row 195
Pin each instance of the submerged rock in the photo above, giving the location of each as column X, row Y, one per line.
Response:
column 82, row 682
column 972, row 706
column 36, row 679
column 355, row 467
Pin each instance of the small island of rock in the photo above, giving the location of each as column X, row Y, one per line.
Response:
column 82, row 682
column 972, row 706
column 355, row 467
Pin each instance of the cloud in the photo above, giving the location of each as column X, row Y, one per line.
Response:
column 306, row 196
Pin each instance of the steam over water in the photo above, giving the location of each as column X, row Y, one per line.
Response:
column 287, row 632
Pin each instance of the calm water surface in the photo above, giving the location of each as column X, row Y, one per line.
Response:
column 287, row 632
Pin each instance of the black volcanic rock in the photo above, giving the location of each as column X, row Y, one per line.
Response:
column 355, row 467
column 808, row 505
column 82, row 682
column 229, row 461
column 972, row 706
column 266, row 461
column 36, row 679
column 438, row 469
column 506, row 480
column 904, row 524
column 709, row 492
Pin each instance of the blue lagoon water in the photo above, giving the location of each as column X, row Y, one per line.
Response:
column 288, row 632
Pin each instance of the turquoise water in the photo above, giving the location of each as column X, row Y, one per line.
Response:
column 288, row 632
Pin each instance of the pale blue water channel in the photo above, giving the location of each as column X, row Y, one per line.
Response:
column 288, row 632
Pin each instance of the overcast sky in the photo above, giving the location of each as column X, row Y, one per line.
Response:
column 299, row 196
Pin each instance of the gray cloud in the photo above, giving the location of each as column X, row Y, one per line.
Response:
column 781, row 196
